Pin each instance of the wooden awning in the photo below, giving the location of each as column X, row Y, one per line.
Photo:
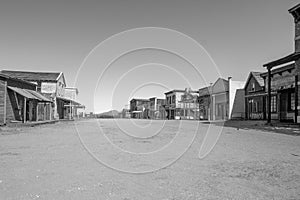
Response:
column 284, row 60
column 29, row 94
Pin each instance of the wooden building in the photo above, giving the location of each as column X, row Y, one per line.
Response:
column 204, row 100
column 74, row 109
column 293, row 58
column 50, row 84
column 19, row 101
column 139, row 108
column 282, row 105
column 255, row 97
column 182, row 104
column 222, row 100
column 156, row 108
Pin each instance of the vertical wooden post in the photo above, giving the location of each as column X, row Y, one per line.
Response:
column 246, row 108
column 45, row 111
column 269, row 95
column 37, row 111
column 50, row 111
column 296, row 98
column 70, row 111
column 24, row 110
column 5, row 93
column 213, row 108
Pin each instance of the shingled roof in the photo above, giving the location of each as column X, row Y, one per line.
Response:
column 258, row 78
column 33, row 76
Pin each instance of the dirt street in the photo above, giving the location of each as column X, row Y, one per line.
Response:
column 139, row 159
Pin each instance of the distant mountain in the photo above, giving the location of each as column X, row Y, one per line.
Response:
column 109, row 114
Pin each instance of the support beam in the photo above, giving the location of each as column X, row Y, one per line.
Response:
column 5, row 96
column 296, row 98
column 269, row 95
column 24, row 111
column 37, row 112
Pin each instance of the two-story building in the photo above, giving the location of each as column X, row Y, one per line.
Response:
column 139, row 108
column 204, row 100
column 156, row 108
column 51, row 85
column 282, row 105
column 255, row 97
column 74, row 109
column 222, row 100
column 19, row 101
column 182, row 104
column 292, row 79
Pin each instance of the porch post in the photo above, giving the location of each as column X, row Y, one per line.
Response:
column 296, row 98
column 246, row 108
column 70, row 111
column 45, row 112
column 24, row 110
column 269, row 95
column 37, row 111
column 213, row 108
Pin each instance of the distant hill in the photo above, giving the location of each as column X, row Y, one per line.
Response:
column 109, row 114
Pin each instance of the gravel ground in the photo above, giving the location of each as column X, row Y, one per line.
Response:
column 146, row 160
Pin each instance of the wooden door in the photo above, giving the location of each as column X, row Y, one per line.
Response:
column 283, row 105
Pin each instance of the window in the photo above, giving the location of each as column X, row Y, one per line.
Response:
column 253, row 86
column 291, row 101
column 173, row 99
column 273, row 104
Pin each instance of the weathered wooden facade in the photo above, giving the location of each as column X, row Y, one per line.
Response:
column 139, row 108
column 222, row 100
column 156, row 108
column 289, row 94
column 73, row 109
column 19, row 100
column 50, row 84
column 204, row 100
column 255, row 97
column 282, row 105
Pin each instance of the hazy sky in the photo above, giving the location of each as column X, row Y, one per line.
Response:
column 239, row 35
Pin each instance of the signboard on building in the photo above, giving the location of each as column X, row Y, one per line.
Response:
column 48, row 87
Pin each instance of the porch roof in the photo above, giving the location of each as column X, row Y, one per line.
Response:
column 70, row 101
column 284, row 60
column 30, row 94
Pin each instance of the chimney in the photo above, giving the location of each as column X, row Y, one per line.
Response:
column 295, row 11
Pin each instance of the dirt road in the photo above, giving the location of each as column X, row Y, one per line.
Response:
column 137, row 159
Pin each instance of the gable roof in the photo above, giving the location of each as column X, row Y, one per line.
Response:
column 223, row 82
column 294, row 8
column 257, row 77
column 33, row 76
column 205, row 91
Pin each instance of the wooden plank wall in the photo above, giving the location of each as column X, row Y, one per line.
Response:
column 2, row 101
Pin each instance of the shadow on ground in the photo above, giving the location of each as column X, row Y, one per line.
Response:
column 275, row 126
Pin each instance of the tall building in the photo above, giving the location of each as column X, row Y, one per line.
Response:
column 294, row 59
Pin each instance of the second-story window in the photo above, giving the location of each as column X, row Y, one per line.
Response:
column 253, row 87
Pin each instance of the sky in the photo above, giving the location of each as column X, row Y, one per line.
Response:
column 103, row 47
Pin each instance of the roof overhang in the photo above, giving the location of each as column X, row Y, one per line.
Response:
column 70, row 102
column 29, row 94
column 284, row 60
